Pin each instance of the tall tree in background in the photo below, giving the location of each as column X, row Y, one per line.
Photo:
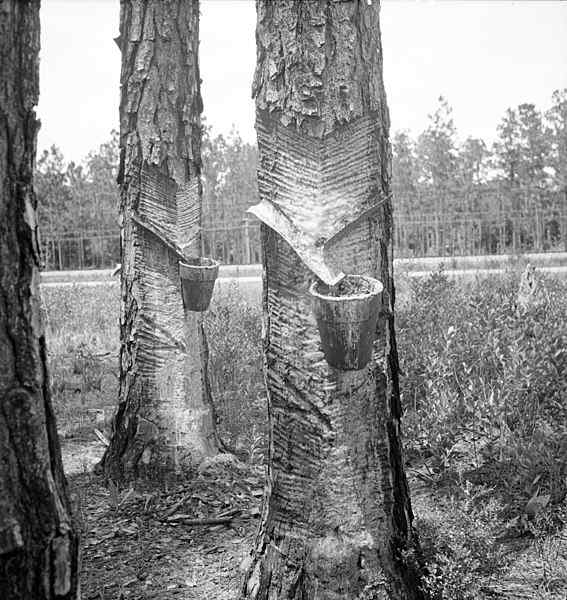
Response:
column 472, row 165
column 38, row 540
column 473, row 157
column 535, row 146
column 229, row 178
column 507, row 148
column 78, row 217
column 437, row 157
column 336, row 517
column 102, row 170
column 165, row 416
column 405, row 173
column 557, row 118
column 52, row 190
column 521, row 153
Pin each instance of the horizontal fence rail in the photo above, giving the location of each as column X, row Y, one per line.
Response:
column 415, row 235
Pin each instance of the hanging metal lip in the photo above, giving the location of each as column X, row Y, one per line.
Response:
column 305, row 247
column 368, row 212
column 311, row 252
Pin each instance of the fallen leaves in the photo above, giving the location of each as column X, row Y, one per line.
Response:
column 182, row 540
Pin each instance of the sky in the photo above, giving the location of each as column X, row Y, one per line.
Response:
column 484, row 56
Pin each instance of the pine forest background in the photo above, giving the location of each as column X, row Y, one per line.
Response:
column 451, row 197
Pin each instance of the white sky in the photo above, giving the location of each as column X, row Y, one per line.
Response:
column 482, row 55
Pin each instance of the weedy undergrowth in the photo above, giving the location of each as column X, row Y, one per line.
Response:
column 484, row 392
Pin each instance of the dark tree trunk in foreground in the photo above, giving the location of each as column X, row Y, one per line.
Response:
column 38, row 541
column 165, row 419
column 337, row 519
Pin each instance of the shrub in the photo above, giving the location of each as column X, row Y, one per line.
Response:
column 485, row 381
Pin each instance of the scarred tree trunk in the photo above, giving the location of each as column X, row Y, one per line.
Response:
column 38, row 540
column 165, row 419
column 337, row 520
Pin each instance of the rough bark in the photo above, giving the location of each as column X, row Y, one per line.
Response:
column 337, row 519
column 165, row 420
column 38, row 540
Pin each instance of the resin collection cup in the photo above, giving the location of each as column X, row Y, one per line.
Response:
column 346, row 316
column 198, row 276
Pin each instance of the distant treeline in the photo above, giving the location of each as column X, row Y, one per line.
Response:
column 436, row 180
column 520, row 172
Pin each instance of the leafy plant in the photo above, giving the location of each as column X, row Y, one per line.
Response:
column 485, row 382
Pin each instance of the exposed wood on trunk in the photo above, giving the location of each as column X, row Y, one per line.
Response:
column 38, row 539
column 337, row 519
column 165, row 420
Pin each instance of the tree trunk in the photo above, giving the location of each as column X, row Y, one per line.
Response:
column 38, row 539
column 165, row 419
column 337, row 520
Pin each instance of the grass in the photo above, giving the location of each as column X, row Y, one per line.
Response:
column 484, row 389
column 82, row 345
column 233, row 330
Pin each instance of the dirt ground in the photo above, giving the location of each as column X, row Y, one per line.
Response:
column 154, row 543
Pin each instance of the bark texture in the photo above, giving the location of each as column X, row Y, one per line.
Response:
column 165, row 419
column 337, row 519
column 38, row 540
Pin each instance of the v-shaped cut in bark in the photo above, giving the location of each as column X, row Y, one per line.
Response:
column 315, row 189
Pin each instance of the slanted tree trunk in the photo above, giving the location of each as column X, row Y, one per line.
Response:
column 38, row 539
column 337, row 520
column 165, row 420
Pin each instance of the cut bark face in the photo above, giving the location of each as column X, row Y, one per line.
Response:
column 39, row 543
column 165, row 420
column 337, row 519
